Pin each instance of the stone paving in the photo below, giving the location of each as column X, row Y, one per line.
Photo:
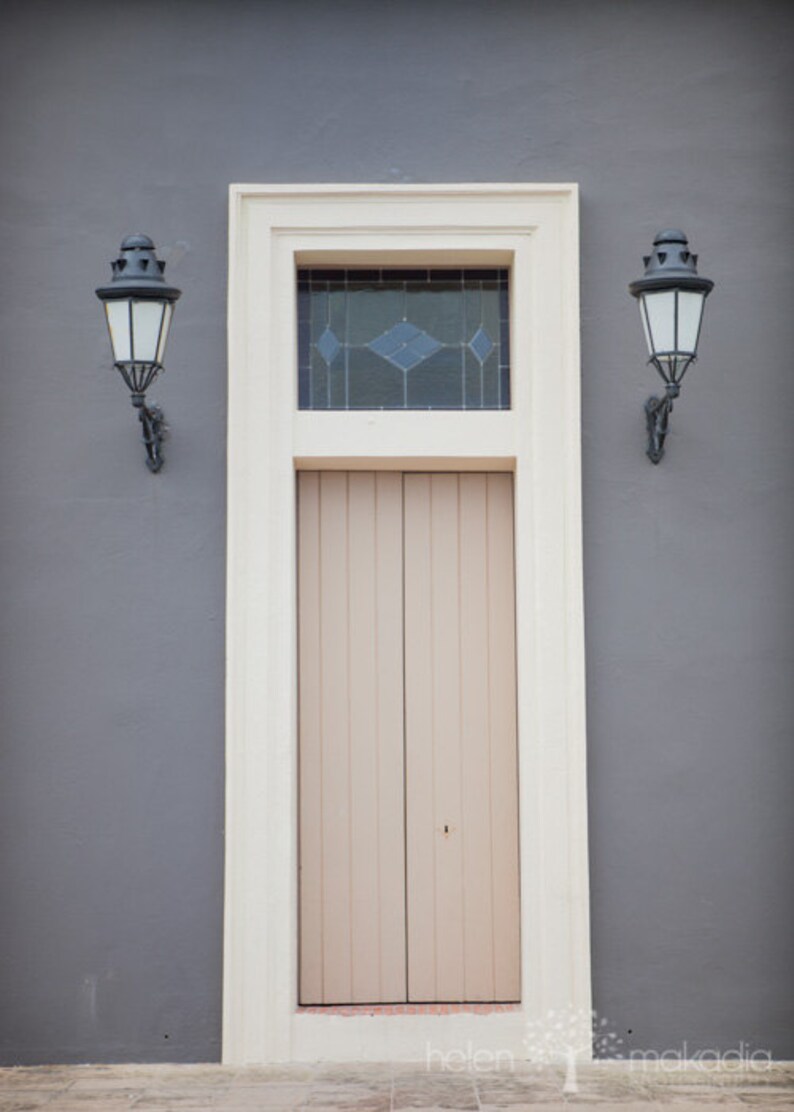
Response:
column 392, row 1088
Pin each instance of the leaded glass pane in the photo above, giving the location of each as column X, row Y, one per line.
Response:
column 403, row 339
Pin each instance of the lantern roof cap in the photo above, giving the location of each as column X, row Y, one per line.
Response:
column 137, row 240
column 670, row 266
column 137, row 272
column 670, row 235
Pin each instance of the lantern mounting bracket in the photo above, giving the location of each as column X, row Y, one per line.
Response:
column 657, row 417
column 138, row 377
column 153, row 431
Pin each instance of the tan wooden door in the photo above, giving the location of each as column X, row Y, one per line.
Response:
column 408, row 765
column 352, row 823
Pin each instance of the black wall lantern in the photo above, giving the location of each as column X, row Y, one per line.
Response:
column 671, row 295
column 138, row 306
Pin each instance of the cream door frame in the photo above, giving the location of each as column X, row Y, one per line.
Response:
column 534, row 230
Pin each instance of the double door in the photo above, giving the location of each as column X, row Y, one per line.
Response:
column 408, row 804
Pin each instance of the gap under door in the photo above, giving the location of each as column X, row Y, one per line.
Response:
column 409, row 888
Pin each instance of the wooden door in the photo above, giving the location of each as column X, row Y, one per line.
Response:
column 408, row 764
column 352, row 822
column 460, row 738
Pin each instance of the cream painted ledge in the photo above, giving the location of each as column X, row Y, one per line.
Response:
column 534, row 230
column 404, row 435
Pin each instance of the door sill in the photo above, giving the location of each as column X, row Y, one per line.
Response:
column 405, row 1009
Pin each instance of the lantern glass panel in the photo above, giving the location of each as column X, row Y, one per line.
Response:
column 118, row 317
column 168, row 309
column 644, row 319
column 690, row 310
column 660, row 312
column 147, row 318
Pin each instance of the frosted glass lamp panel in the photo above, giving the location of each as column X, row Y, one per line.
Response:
column 644, row 319
column 660, row 310
column 118, row 315
column 147, row 318
column 167, row 311
column 690, row 310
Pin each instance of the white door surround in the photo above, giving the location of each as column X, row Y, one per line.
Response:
column 532, row 229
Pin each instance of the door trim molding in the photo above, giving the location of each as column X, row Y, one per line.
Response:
column 534, row 228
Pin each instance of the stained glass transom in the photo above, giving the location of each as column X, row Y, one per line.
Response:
column 403, row 339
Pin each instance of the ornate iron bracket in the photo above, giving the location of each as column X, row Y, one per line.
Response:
column 657, row 418
column 153, row 431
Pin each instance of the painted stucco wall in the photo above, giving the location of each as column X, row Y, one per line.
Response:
column 127, row 117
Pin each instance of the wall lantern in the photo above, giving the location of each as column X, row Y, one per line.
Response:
column 671, row 295
column 138, row 306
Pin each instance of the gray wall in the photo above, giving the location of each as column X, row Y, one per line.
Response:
column 128, row 117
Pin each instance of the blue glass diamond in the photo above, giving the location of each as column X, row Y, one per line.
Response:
column 328, row 346
column 391, row 341
column 424, row 345
column 404, row 345
column 405, row 358
column 403, row 331
column 384, row 345
column 481, row 344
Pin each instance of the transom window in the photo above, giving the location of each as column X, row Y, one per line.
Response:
column 403, row 339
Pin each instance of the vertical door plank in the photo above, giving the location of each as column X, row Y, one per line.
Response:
column 433, row 724
column 420, row 768
column 390, row 731
column 335, row 725
column 310, row 754
column 475, row 742
column 445, row 638
column 503, row 733
column 351, row 730
column 362, row 711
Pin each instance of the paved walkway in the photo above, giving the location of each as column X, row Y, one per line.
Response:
column 388, row 1088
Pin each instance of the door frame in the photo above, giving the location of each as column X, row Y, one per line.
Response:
column 273, row 229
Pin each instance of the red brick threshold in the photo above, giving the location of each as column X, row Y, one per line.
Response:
column 404, row 1009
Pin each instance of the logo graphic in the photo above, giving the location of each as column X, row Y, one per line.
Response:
column 568, row 1035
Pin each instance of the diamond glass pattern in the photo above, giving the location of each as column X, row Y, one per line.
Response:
column 328, row 346
column 481, row 344
column 404, row 345
column 403, row 339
